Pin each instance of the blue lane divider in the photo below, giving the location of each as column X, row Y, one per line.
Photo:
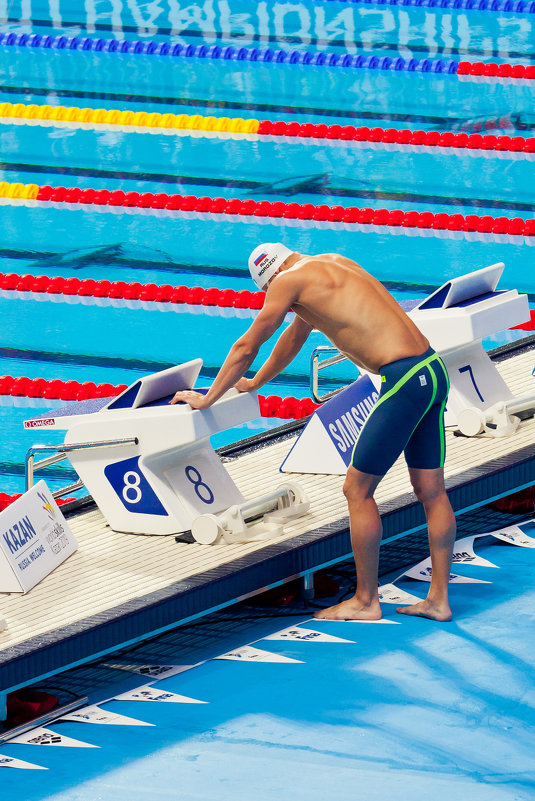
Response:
column 518, row 6
column 266, row 55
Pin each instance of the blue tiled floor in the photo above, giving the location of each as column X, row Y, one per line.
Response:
column 406, row 712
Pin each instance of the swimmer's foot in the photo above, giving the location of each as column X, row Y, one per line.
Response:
column 353, row 609
column 429, row 609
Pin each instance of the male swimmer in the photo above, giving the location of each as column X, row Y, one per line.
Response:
column 335, row 295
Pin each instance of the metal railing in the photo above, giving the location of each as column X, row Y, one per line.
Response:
column 316, row 365
column 60, row 453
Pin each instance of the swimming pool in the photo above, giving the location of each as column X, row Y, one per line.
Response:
column 47, row 336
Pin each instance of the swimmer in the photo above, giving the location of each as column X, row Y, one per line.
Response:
column 333, row 294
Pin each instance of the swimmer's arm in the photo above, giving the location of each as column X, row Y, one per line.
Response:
column 279, row 298
column 288, row 346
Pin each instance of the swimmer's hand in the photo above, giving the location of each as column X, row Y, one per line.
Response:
column 245, row 385
column 195, row 399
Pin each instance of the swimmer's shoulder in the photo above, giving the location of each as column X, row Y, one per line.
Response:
column 331, row 260
column 322, row 260
column 322, row 268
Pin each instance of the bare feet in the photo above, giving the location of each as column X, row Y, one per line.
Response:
column 428, row 609
column 353, row 609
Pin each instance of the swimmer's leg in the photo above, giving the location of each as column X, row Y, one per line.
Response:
column 366, row 532
column 430, row 491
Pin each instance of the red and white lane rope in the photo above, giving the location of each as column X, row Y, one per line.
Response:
column 43, row 285
column 456, row 226
column 288, row 408
column 6, row 499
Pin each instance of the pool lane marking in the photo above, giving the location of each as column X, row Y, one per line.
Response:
column 275, row 108
column 366, row 220
column 318, row 185
column 197, row 125
column 126, row 303
column 274, row 56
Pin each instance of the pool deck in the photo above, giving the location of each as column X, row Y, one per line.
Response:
column 404, row 711
column 119, row 589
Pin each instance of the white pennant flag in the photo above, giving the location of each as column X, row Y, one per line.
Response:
column 463, row 553
column 514, row 536
column 381, row 620
column 151, row 671
column 249, row 654
column 423, row 572
column 305, row 635
column 390, row 594
column 148, row 693
column 94, row 714
column 42, row 736
column 11, row 762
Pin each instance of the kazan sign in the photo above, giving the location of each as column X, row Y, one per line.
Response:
column 34, row 539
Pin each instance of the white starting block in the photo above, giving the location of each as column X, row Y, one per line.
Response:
column 455, row 319
column 150, row 466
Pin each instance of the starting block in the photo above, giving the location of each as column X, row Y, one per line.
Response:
column 454, row 319
column 149, row 465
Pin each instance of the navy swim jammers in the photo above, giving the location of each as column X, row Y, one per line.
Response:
column 408, row 416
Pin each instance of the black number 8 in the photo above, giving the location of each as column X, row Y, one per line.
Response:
column 201, row 489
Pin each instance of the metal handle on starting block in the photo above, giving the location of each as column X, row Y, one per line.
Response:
column 316, row 365
column 60, row 453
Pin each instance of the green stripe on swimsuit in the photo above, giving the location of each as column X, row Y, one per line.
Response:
column 408, row 417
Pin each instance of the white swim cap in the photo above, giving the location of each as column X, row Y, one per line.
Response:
column 265, row 260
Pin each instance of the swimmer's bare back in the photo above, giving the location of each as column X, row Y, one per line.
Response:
column 353, row 309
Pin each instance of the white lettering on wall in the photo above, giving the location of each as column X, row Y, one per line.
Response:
column 153, row 10
column 299, row 14
column 198, row 16
column 235, row 23
column 343, row 23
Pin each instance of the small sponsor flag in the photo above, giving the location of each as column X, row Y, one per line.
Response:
column 11, row 762
column 423, row 572
column 463, row 553
column 42, row 736
column 249, row 654
column 94, row 714
column 514, row 536
column 304, row 635
column 151, row 671
column 148, row 693
column 383, row 620
column 390, row 594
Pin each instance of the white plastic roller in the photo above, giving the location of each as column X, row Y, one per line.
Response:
column 236, row 524
column 498, row 420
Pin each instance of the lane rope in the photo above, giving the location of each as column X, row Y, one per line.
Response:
column 159, row 293
column 279, row 56
column 288, row 408
column 347, row 218
column 6, row 499
column 517, row 6
column 88, row 117
column 41, row 285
